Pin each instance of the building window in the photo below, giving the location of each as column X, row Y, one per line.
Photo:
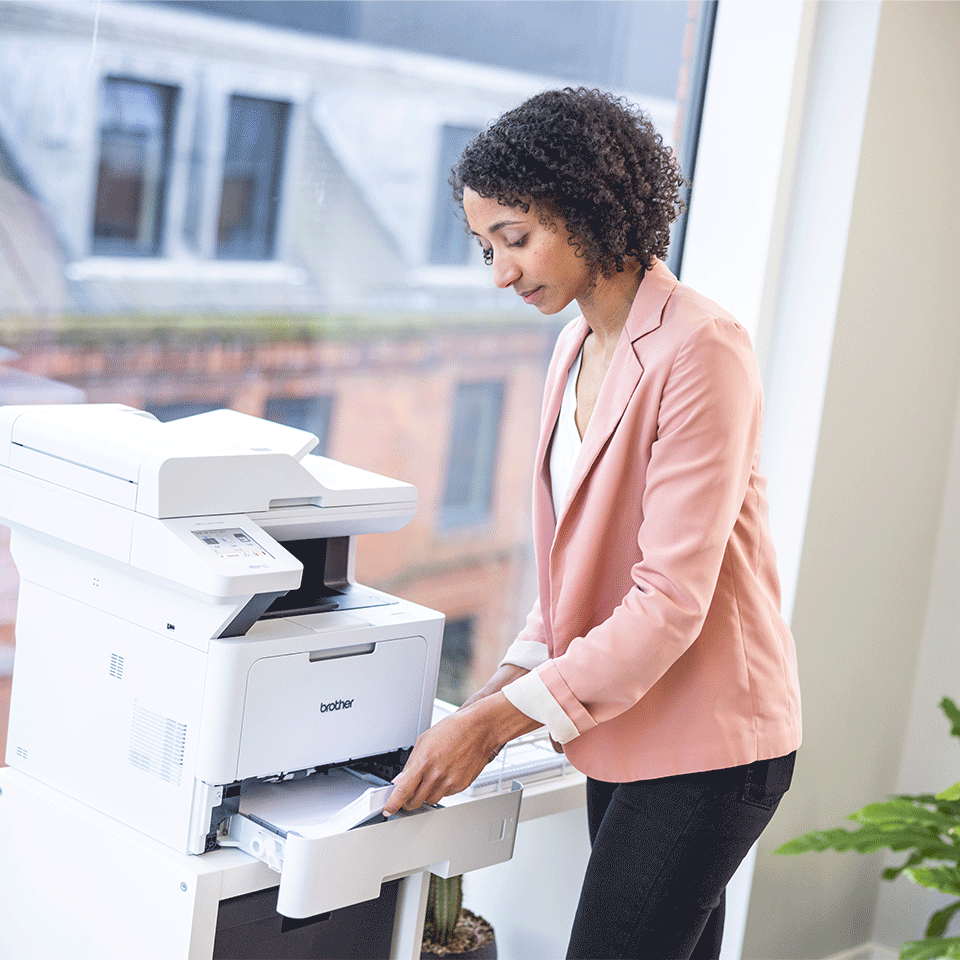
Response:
column 136, row 122
column 450, row 244
column 455, row 658
column 256, row 135
column 312, row 414
column 472, row 458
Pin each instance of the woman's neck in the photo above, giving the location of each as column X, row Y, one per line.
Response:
column 608, row 304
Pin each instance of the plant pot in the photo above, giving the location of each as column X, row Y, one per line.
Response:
column 473, row 939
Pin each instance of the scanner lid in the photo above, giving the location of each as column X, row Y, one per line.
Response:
column 220, row 462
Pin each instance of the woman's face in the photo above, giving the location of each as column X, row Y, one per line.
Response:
column 530, row 252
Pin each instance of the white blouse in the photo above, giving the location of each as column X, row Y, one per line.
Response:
column 529, row 694
column 566, row 439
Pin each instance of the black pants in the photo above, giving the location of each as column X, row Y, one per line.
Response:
column 662, row 854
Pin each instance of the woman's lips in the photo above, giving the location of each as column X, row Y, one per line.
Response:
column 531, row 296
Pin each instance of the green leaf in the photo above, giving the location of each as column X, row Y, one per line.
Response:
column 944, row 879
column 871, row 838
column 943, row 804
column 932, row 949
column 907, row 811
column 937, row 926
column 951, row 793
column 953, row 715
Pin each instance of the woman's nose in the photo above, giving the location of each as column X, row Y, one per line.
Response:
column 505, row 271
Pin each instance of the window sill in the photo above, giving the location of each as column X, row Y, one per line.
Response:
column 173, row 270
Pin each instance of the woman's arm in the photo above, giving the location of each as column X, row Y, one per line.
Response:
column 505, row 673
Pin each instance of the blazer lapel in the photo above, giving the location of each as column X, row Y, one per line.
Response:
column 620, row 380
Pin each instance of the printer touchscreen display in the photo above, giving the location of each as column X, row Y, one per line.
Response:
column 230, row 544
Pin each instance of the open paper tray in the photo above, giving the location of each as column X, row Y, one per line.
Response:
column 323, row 869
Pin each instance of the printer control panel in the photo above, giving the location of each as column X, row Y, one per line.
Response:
column 225, row 556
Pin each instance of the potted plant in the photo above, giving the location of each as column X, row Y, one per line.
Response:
column 927, row 827
column 451, row 931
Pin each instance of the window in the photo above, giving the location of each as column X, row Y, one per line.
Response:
column 305, row 413
column 472, row 460
column 455, row 658
column 450, row 243
column 270, row 216
column 251, row 178
column 136, row 120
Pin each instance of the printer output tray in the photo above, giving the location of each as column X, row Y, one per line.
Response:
column 326, row 864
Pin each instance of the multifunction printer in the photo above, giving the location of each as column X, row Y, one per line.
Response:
column 195, row 661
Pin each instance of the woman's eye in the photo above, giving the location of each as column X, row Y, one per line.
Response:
column 518, row 243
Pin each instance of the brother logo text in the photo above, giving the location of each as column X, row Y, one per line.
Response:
column 336, row 705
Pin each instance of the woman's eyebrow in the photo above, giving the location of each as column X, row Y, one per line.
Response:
column 499, row 225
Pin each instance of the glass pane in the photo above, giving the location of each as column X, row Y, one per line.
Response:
column 132, row 175
column 375, row 307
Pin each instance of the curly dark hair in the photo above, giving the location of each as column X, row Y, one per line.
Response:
column 588, row 158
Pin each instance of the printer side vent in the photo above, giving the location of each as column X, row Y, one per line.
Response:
column 21, row 753
column 157, row 744
column 116, row 666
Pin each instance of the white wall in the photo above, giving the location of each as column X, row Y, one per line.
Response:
column 925, row 70
column 931, row 759
column 880, row 538
column 825, row 216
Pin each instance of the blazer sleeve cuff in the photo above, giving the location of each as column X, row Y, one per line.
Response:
column 558, row 689
column 530, row 695
column 528, row 654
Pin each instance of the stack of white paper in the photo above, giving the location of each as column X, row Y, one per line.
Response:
column 317, row 806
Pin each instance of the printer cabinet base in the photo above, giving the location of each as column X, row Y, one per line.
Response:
column 76, row 884
column 249, row 928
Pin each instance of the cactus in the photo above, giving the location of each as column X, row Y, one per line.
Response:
column 443, row 907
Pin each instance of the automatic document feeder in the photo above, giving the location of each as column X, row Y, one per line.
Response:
column 195, row 660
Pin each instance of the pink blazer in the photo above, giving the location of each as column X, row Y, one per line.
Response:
column 666, row 645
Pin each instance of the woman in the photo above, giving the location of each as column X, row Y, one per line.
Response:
column 655, row 653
